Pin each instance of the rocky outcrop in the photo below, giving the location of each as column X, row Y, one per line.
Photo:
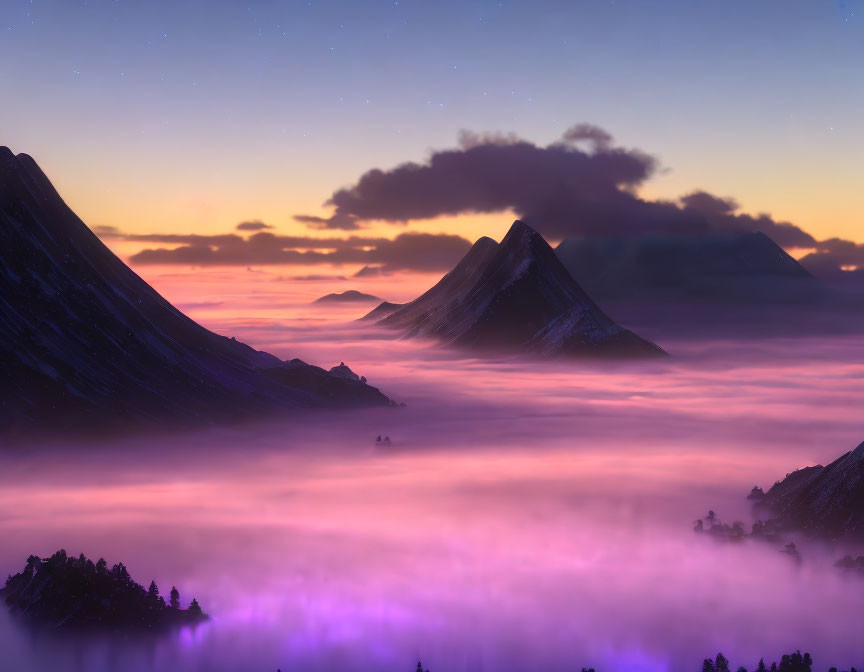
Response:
column 345, row 372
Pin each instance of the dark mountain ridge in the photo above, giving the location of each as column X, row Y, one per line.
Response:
column 515, row 296
column 86, row 343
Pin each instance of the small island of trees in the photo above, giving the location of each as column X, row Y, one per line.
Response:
column 65, row 591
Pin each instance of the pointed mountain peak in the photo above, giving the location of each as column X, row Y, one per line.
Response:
column 520, row 227
column 519, row 230
column 516, row 296
column 522, row 238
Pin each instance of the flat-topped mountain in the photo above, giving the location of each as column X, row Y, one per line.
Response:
column 825, row 502
column 516, row 296
column 70, row 592
column 86, row 343
column 348, row 296
column 719, row 268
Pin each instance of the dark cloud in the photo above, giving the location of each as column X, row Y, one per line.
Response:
column 837, row 260
column 311, row 277
column 414, row 251
column 370, row 272
column 599, row 138
column 253, row 225
column 844, row 252
column 708, row 204
column 107, row 232
column 337, row 221
column 720, row 215
column 580, row 185
column 489, row 177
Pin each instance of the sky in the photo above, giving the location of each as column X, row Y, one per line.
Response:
column 189, row 117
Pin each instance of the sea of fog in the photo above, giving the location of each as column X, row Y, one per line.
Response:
column 526, row 517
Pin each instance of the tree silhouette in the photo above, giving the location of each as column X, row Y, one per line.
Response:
column 74, row 591
column 721, row 664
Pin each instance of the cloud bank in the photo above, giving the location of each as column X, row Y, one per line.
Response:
column 253, row 225
column 409, row 250
column 835, row 256
column 580, row 185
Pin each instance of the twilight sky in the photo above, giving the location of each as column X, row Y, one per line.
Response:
column 189, row 117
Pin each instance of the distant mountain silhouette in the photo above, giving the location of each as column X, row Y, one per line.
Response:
column 348, row 296
column 85, row 342
column 516, row 297
column 825, row 502
column 719, row 268
column 382, row 310
column 714, row 286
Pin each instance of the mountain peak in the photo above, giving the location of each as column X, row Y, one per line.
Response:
column 521, row 233
column 518, row 226
column 88, row 344
column 516, row 296
column 485, row 241
column 480, row 246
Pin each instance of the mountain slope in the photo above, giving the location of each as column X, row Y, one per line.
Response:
column 516, row 296
column 84, row 341
column 823, row 501
column 381, row 311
